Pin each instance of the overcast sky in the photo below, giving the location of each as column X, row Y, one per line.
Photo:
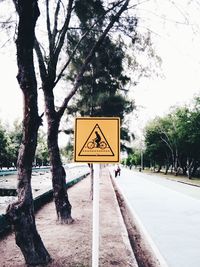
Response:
column 176, row 37
column 175, row 33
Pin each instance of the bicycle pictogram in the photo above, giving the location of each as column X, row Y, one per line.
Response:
column 92, row 144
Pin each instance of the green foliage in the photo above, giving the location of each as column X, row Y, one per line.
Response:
column 85, row 9
column 42, row 155
column 3, row 147
column 99, row 94
column 133, row 159
column 15, row 137
column 157, row 141
column 102, row 90
column 67, row 152
column 175, row 139
column 10, row 140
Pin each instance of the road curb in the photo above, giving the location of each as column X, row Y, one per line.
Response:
column 124, row 232
column 146, row 252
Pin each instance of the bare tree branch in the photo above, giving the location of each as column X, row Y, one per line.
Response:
column 55, row 28
column 48, row 23
column 64, row 30
column 70, row 58
column 41, row 61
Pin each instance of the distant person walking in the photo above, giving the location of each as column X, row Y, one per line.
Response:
column 117, row 171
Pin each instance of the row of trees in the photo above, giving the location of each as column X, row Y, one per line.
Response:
column 172, row 142
column 10, row 140
column 133, row 159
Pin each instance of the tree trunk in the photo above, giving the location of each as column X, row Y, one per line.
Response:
column 62, row 204
column 194, row 169
column 184, row 170
column 189, row 168
column 176, row 167
column 159, row 169
column 166, row 168
column 21, row 213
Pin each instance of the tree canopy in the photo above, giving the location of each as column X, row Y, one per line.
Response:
column 174, row 140
column 10, row 140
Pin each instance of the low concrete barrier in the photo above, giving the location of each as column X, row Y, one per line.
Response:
column 8, row 192
column 6, row 172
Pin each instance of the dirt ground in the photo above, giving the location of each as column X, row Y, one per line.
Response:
column 71, row 245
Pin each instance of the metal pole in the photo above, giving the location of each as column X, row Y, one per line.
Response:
column 95, row 224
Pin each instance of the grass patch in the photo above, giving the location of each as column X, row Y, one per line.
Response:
column 195, row 181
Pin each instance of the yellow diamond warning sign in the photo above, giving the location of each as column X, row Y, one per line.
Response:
column 97, row 139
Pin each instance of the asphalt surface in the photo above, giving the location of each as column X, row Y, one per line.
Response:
column 170, row 212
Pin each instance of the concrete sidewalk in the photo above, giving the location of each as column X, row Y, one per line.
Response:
column 71, row 245
column 114, row 243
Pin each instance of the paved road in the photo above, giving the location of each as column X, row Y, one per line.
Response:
column 170, row 212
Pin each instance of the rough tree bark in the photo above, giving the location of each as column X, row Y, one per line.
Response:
column 21, row 213
column 190, row 164
column 62, row 204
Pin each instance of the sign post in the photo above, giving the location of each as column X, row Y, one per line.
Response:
column 97, row 140
column 95, row 221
